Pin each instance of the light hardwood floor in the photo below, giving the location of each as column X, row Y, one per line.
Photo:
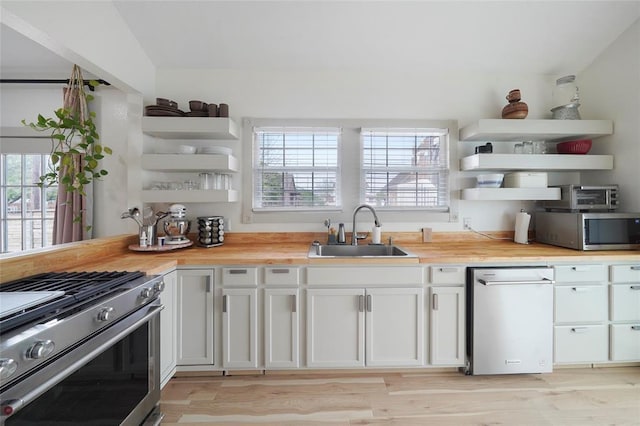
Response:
column 599, row 396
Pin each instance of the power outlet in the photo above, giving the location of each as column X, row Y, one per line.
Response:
column 466, row 222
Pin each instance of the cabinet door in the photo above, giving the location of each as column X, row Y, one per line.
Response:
column 239, row 328
column 580, row 303
column 625, row 302
column 447, row 325
column 394, row 327
column 281, row 324
column 625, row 342
column 168, row 328
column 580, row 343
column 335, row 328
column 195, row 316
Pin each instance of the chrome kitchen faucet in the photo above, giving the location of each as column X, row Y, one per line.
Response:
column 354, row 235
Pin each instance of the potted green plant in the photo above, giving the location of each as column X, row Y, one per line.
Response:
column 76, row 149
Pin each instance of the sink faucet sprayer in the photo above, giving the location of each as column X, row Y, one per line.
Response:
column 354, row 235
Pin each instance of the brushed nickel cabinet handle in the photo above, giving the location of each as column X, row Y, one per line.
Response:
column 579, row 329
column 361, row 303
column 369, row 303
column 634, row 287
column 280, row 271
column 294, row 303
column 237, row 271
column 635, row 268
column 224, row 304
column 435, row 302
column 635, row 327
column 448, row 269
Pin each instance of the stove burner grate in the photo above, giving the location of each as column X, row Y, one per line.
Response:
column 79, row 288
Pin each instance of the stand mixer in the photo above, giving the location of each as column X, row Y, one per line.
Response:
column 176, row 225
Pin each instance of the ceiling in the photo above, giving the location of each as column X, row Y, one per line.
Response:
column 540, row 37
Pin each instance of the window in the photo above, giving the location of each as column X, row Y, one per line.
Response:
column 405, row 168
column 26, row 213
column 296, row 168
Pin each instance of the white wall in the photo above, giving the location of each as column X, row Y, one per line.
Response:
column 364, row 94
column 610, row 89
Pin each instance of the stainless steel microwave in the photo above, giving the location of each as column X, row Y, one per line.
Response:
column 585, row 198
column 589, row 231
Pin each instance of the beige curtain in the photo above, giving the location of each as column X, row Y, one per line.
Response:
column 70, row 219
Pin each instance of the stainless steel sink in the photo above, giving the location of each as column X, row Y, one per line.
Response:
column 371, row 250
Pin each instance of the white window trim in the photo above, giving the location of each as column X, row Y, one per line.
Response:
column 350, row 159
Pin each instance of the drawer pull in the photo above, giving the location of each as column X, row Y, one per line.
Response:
column 237, row 271
column 634, row 287
column 580, row 268
column 224, row 304
column 635, row 268
column 448, row 270
column 579, row 329
column 280, row 271
column 580, row 289
column 635, row 327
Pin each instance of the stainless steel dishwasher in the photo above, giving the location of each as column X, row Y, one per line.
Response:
column 509, row 320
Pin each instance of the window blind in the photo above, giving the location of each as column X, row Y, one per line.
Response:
column 405, row 168
column 296, row 168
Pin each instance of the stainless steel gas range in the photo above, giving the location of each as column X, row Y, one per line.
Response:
column 80, row 348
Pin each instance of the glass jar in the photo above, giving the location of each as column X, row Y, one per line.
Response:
column 566, row 91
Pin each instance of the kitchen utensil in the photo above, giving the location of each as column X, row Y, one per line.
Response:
column 135, row 215
column 158, row 216
column 176, row 230
column 167, row 102
column 581, row 146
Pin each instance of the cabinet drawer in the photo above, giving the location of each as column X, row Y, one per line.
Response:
column 281, row 276
column 625, row 302
column 588, row 343
column 625, row 273
column 444, row 274
column 365, row 276
column 580, row 273
column 625, row 342
column 239, row 276
column 581, row 303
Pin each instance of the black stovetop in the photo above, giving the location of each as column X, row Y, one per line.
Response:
column 79, row 289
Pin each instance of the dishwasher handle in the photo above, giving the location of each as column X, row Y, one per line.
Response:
column 541, row 281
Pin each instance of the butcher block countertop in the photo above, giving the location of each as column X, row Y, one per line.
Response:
column 464, row 248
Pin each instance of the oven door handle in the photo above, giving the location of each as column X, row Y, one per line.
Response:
column 35, row 392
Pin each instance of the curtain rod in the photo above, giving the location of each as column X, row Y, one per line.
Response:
column 52, row 81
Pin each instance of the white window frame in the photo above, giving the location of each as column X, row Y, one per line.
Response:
column 22, row 144
column 313, row 169
column 350, row 174
column 441, row 168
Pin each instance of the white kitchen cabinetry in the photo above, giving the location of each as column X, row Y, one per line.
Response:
column 447, row 315
column 239, row 328
column 580, row 314
column 282, row 310
column 281, row 328
column 195, row 317
column 239, row 317
column 447, row 325
column 495, row 130
column 168, row 328
column 390, row 320
column 625, row 312
column 335, row 327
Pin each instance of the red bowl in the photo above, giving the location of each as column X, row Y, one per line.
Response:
column 581, row 146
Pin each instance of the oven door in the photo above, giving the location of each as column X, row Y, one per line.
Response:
column 110, row 379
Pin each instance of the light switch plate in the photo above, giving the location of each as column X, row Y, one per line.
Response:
column 426, row 235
